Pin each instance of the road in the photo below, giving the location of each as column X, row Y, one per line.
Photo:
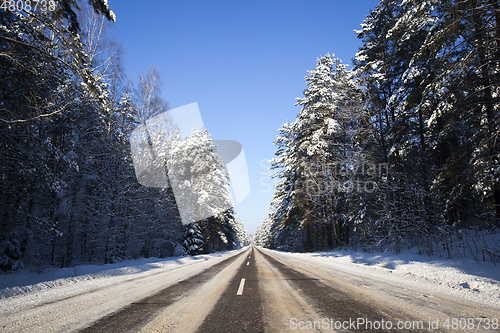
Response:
column 255, row 290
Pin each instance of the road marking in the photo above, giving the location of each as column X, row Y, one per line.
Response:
column 248, row 262
column 240, row 289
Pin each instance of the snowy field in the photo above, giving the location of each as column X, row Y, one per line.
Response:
column 466, row 278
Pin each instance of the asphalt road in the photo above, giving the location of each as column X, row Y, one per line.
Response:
column 263, row 291
column 255, row 290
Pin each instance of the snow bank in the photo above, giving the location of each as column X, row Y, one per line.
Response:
column 26, row 281
column 465, row 278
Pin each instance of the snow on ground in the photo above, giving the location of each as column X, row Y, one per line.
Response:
column 26, row 288
column 463, row 277
column 477, row 281
column 26, row 280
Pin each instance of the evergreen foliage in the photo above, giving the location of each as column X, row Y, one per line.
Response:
column 68, row 190
column 417, row 119
column 193, row 239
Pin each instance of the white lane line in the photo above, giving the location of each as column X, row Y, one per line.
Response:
column 240, row 289
column 248, row 262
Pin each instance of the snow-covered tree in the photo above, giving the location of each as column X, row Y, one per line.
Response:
column 193, row 239
column 242, row 236
column 198, row 176
column 314, row 156
column 263, row 236
column 421, row 107
column 68, row 190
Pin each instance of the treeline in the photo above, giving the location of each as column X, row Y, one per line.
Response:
column 69, row 194
column 404, row 149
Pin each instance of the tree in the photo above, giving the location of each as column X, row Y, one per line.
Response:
column 193, row 239
column 316, row 155
column 69, row 193
column 242, row 238
column 393, row 78
column 420, row 109
column 467, row 86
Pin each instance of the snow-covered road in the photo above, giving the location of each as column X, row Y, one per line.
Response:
column 279, row 292
column 369, row 292
column 70, row 304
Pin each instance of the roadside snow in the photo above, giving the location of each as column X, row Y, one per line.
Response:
column 26, row 281
column 465, row 278
column 26, row 288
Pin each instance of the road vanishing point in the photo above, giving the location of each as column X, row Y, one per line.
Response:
column 250, row 290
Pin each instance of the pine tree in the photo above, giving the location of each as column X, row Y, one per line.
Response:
column 466, row 104
column 197, row 175
column 193, row 239
column 393, row 78
column 422, row 103
column 242, row 238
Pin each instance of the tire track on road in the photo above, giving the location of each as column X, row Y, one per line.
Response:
column 238, row 313
column 333, row 304
column 135, row 315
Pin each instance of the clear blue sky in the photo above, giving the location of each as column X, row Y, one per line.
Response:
column 243, row 62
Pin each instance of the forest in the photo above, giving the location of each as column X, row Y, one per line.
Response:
column 403, row 150
column 69, row 194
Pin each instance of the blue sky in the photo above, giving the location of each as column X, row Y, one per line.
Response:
column 243, row 63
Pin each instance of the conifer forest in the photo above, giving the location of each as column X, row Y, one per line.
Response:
column 402, row 150
column 69, row 194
